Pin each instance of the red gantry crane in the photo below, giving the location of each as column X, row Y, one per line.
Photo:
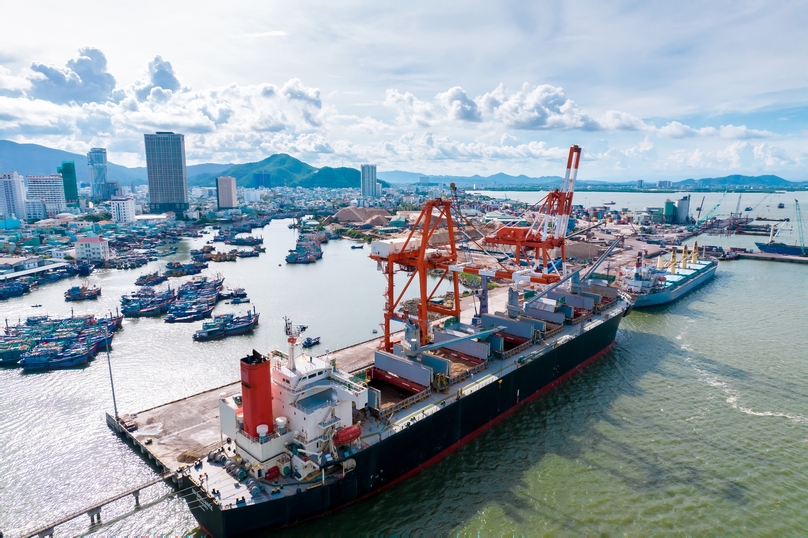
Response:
column 430, row 247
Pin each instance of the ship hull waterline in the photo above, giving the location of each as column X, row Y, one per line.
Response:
column 411, row 450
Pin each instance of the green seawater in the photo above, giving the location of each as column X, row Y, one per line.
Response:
column 695, row 424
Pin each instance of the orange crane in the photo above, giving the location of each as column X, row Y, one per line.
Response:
column 428, row 247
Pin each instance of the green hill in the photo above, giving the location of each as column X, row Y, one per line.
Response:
column 737, row 180
column 284, row 169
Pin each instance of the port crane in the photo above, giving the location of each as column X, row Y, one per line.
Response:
column 430, row 248
column 800, row 226
column 707, row 216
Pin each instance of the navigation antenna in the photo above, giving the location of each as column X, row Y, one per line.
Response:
column 292, row 336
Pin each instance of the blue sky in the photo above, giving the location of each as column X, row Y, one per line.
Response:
column 649, row 89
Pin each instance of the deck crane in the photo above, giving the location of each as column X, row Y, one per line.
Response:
column 430, row 247
column 737, row 214
column 707, row 216
column 800, row 226
column 701, row 206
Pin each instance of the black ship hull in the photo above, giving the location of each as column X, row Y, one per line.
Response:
column 409, row 451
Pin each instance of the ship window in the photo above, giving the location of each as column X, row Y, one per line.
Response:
column 312, row 375
column 320, row 373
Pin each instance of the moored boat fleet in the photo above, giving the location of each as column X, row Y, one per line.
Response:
column 45, row 343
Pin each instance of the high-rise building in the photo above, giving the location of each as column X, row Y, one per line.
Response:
column 122, row 209
column 97, row 163
column 68, row 171
column 12, row 196
column 226, row 197
column 261, row 179
column 49, row 189
column 165, row 166
column 369, row 181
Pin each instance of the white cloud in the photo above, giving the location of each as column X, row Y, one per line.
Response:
column 82, row 80
column 458, row 105
column 534, row 108
column 411, row 110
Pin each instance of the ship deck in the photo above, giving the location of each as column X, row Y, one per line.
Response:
column 180, row 433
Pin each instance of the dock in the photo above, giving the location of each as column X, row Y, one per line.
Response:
column 764, row 256
column 94, row 511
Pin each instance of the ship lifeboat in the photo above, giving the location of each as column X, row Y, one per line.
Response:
column 662, row 279
column 347, row 435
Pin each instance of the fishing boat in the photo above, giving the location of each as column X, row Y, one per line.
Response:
column 311, row 341
column 82, row 293
column 242, row 324
column 211, row 330
column 357, row 246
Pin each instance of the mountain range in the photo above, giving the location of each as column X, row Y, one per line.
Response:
column 283, row 169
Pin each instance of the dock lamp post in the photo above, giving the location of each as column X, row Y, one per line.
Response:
column 111, row 383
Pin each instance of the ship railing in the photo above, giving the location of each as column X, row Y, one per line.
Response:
column 311, row 409
column 344, row 380
column 404, row 404
column 270, row 436
column 305, row 441
column 552, row 330
column 330, row 422
column 462, row 376
column 502, row 355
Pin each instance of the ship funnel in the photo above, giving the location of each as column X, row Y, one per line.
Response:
column 684, row 257
column 694, row 256
column 673, row 262
column 256, row 392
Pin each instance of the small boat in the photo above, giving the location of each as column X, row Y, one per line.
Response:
column 781, row 205
column 311, row 342
column 82, row 293
column 609, row 203
column 239, row 300
column 748, row 209
column 36, row 306
column 357, row 246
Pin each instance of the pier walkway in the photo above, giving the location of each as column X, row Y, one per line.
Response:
column 765, row 256
column 94, row 511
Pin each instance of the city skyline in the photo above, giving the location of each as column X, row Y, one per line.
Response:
column 654, row 91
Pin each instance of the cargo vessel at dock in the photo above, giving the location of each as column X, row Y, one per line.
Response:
column 302, row 438
column 669, row 280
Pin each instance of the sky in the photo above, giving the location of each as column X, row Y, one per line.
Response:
column 649, row 89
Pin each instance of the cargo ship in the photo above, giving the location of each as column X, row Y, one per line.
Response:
column 670, row 280
column 782, row 248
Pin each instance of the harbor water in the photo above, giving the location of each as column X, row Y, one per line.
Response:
column 695, row 423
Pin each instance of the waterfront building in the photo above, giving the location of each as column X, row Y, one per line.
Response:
column 664, row 184
column 97, row 163
column 165, row 166
column 226, row 197
column 35, row 210
column 94, row 249
column 640, row 183
column 12, row 196
column 122, row 209
column 51, row 190
column 68, row 172
column 369, row 187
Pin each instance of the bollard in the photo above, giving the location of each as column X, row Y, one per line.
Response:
column 136, row 494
